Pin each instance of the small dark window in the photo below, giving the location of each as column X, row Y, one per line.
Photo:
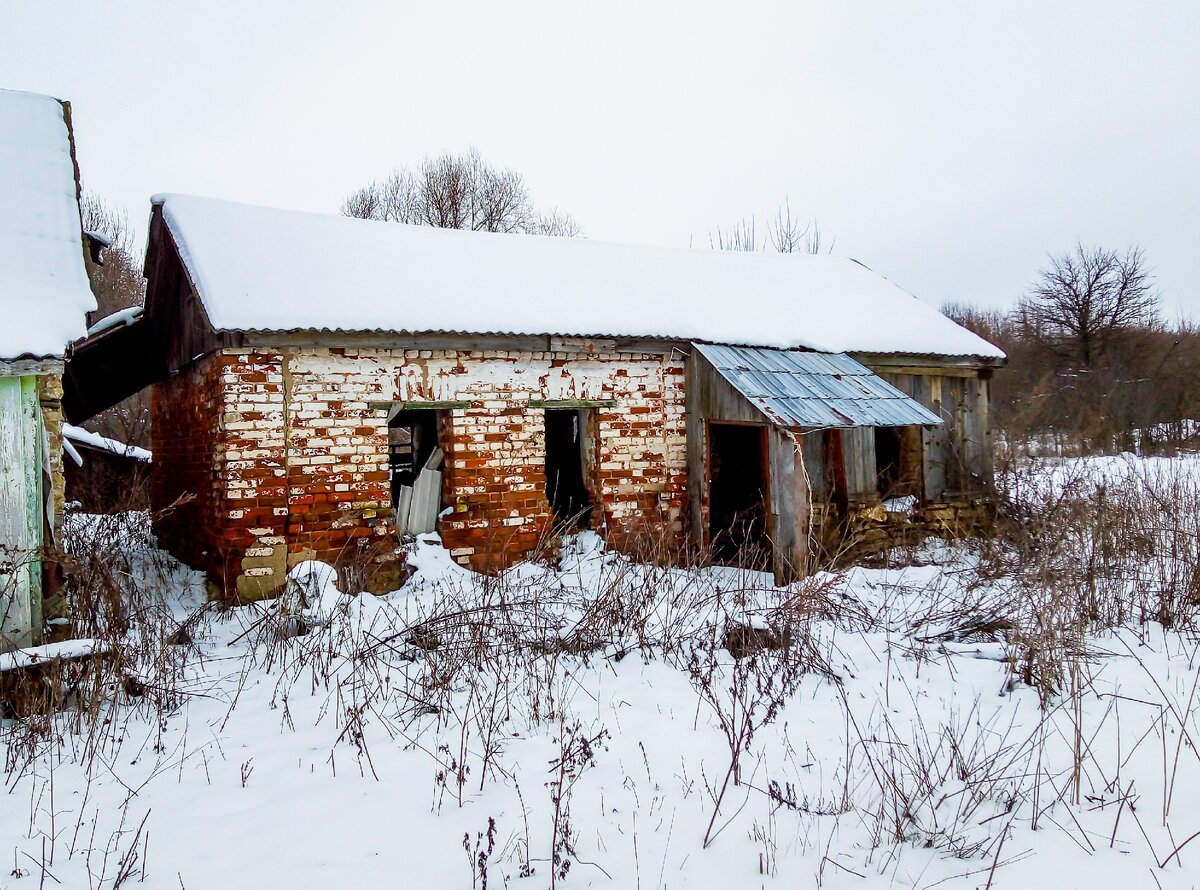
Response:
column 416, row 459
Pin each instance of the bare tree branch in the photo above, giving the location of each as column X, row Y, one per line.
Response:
column 457, row 192
column 1085, row 298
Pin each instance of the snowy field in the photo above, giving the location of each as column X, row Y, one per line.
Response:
column 1020, row 714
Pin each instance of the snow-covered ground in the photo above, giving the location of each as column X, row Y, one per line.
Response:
column 585, row 723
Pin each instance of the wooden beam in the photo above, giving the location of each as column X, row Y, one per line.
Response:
column 416, row 406
column 874, row 360
column 572, row 403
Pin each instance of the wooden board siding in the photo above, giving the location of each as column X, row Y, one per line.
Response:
column 20, row 513
column 958, row 454
column 858, row 446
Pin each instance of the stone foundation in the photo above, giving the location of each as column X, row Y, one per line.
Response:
column 869, row 530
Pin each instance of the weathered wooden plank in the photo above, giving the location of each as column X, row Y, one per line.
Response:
column 886, row 371
column 858, row 449
column 413, row 406
column 20, row 511
column 782, row 522
column 935, row 363
column 572, row 403
column 37, row 503
column 977, row 440
column 934, row 440
column 801, row 554
column 812, row 447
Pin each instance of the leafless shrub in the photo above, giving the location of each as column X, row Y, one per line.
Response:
column 785, row 233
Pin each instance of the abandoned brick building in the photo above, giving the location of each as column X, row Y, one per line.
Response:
column 321, row 383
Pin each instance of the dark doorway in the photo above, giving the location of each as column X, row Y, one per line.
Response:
column 566, row 465
column 887, row 461
column 898, row 461
column 412, row 438
column 737, row 491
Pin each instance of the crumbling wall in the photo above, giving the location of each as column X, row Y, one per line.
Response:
column 493, row 436
column 285, row 454
column 251, row 471
column 218, row 441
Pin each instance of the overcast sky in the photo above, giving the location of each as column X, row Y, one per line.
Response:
column 949, row 145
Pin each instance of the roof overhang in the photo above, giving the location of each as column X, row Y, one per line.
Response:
column 814, row 390
column 110, row 366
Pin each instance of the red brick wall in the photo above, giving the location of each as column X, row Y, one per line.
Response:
column 251, row 464
column 287, row 452
column 218, row 440
column 339, row 505
column 495, row 478
column 185, row 417
column 494, row 475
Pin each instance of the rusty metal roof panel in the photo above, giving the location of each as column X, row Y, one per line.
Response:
column 814, row 389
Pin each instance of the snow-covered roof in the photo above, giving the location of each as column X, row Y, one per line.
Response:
column 262, row 269
column 44, row 292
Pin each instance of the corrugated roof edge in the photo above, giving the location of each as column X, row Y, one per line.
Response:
column 932, row 358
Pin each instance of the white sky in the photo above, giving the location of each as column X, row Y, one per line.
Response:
column 949, row 145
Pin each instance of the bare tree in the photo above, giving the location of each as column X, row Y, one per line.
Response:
column 785, row 234
column 457, row 192
column 1085, row 299
column 117, row 281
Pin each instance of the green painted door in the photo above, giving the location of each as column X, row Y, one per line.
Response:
column 20, row 512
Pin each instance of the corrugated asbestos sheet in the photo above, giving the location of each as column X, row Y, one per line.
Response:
column 814, row 389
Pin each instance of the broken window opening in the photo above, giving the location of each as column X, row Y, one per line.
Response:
column 415, row 460
column 738, row 485
column 568, row 461
column 898, row 461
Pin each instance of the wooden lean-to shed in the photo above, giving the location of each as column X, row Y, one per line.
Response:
column 323, row 385
column 44, row 301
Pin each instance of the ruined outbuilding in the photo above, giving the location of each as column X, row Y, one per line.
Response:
column 321, row 384
column 44, row 300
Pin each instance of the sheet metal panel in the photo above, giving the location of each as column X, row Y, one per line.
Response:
column 814, row 389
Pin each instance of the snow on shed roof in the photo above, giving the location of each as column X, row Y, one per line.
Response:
column 44, row 292
column 263, row 269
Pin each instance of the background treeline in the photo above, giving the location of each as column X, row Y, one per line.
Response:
column 1093, row 365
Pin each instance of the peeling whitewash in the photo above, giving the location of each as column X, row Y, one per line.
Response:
column 438, row 376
